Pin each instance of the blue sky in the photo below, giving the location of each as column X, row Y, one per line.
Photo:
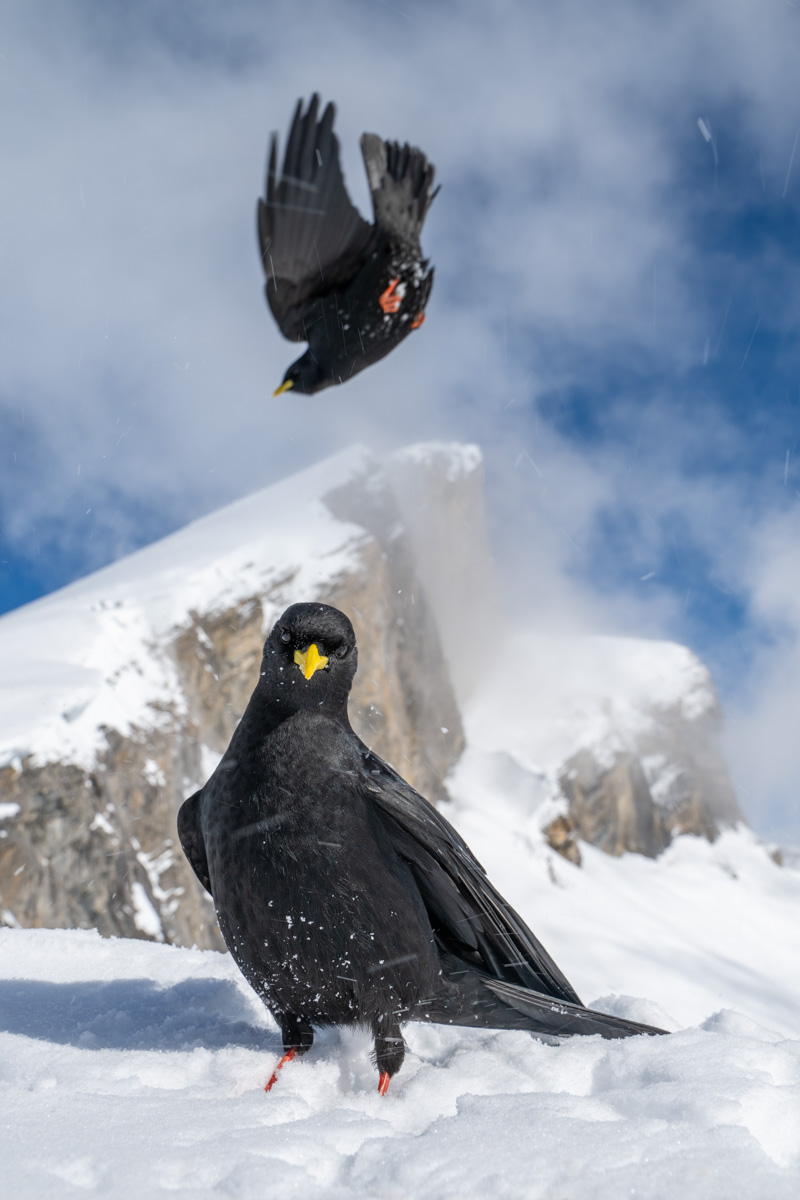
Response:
column 616, row 314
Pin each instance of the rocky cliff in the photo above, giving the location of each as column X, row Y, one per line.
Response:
column 668, row 780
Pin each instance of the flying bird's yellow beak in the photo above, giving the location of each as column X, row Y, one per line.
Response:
column 287, row 383
column 310, row 660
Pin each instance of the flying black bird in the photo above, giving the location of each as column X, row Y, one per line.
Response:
column 353, row 291
column 344, row 897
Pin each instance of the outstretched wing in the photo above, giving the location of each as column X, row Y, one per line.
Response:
column 191, row 837
column 400, row 180
column 311, row 237
column 469, row 916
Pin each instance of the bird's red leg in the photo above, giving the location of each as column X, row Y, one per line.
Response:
column 418, row 319
column 287, row 1058
column 383, row 1082
column 388, row 300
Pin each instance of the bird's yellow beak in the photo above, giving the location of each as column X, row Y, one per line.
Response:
column 310, row 660
column 287, row 383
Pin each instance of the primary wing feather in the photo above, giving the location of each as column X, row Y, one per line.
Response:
column 312, row 239
column 401, row 186
column 467, row 911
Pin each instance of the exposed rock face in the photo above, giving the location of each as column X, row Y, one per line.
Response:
column 671, row 780
column 562, row 837
column 94, row 844
column 612, row 808
column 97, row 849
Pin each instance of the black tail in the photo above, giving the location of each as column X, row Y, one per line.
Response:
column 562, row 1019
column 468, row 996
column 400, row 181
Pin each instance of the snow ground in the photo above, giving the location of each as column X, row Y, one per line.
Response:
column 132, row 1069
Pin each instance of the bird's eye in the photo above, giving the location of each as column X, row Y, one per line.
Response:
column 285, row 636
column 340, row 651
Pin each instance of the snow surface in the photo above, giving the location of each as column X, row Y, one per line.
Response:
column 94, row 653
column 133, row 1069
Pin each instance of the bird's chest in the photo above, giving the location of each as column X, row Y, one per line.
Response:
column 272, row 847
column 311, row 906
column 378, row 309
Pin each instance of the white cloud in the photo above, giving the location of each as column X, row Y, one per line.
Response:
column 763, row 745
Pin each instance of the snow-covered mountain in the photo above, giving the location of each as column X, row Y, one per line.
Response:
column 119, row 692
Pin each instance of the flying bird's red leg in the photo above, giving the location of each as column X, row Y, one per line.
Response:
column 273, row 1079
column 383, row 1082
column 388, row 300
column 418, row 319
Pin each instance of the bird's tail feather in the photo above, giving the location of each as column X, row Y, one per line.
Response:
column 468, row 996
column 560, row 1018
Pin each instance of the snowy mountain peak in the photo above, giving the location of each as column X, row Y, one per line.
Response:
column 120, row 692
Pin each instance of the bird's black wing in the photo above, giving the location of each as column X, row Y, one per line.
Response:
column 311, row 237
column 191, row 836
column 468, row 914
column 400, row 181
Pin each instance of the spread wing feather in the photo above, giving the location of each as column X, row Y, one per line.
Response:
column 312, row 239
column 400, row 181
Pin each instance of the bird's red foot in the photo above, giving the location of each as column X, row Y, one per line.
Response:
column 273, row 1079
column 383, row 1083
column 418, row 319
column 389, row 300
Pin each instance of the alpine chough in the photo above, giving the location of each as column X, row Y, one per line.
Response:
column 353, row 291
column 344, row 897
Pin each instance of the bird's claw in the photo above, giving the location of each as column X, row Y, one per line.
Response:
column 389, row 300
column 383, row 1083
column 273, row 1079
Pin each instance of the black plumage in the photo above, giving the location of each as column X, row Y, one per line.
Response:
column 353, row 291
column 343, row 895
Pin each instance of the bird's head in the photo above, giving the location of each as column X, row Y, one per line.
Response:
column 305, row 376
column 310, row 660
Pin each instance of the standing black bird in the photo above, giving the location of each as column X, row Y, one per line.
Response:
column 353, row 291
column 344, row 896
